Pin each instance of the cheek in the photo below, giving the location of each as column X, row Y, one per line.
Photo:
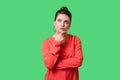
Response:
column 56, row 24
column 67, row 26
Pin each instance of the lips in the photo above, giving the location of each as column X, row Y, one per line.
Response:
column 62, row 29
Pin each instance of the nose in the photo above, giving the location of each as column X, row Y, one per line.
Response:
column 63, row 24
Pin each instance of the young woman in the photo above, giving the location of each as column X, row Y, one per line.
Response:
column 62, row 52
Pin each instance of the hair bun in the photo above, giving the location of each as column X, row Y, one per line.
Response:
column 64, row 8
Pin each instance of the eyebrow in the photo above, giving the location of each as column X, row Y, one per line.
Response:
column 61, row 19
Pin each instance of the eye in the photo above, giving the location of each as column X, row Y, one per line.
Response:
column 59, row 20
column 67, row 22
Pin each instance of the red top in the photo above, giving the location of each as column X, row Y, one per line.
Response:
column 62, row 61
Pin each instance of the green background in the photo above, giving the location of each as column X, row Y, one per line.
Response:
column 24, row 24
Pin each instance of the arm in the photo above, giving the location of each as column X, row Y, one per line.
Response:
column 74, row 61
column 50, row 53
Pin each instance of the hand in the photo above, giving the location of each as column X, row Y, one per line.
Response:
column 60, row 37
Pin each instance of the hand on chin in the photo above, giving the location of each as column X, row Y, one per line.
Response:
column 62, row 32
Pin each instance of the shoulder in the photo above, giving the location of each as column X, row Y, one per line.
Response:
column 46, row 40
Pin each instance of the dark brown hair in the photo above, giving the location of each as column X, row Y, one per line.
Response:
column 63, row 10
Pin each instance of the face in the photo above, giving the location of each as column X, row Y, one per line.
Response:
column 62, row 23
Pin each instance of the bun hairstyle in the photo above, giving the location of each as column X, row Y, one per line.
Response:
column 64, row 10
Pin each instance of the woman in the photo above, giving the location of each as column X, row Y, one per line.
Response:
column 62, row 52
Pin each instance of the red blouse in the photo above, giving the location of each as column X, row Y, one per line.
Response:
column 62, row 61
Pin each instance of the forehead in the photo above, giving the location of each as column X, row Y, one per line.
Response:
column 63, row 17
